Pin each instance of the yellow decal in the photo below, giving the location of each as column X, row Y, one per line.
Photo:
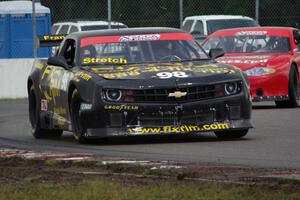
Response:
column 55, row 79
column 179, row 129
column 53, row 37
column 59, row 110
column 83, row 75
column 121, row 71
column 104, row 60
column 61, row 121
column 38, row 64
column 121, row 107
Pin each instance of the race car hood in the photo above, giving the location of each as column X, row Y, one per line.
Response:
column 181, row 73
column 248, row 61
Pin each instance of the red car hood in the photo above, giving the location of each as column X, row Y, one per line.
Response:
column 248, row 61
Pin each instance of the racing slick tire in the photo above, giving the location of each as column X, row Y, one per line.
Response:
column 293, row 91
column 78, row 130
column 35, row 121
column 234, row 134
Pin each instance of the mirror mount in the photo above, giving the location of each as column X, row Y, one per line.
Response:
column 58, row 61
column 216, row 53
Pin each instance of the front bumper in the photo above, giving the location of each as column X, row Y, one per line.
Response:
column 227, row 113
column 269, row 87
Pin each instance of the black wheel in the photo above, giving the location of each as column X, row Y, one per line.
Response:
column 293, row 91
column 78, row 130
column 34, row 112
column 234, row 134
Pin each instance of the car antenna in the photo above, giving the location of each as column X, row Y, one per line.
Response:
column 118, row 25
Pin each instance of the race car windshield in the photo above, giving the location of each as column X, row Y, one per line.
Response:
column 100, row 27
column 214, row 25
column 249, row 44
column 130, row 51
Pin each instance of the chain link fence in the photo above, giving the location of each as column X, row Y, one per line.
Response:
column 170, row 13
column 137, row 13
column 140, row 13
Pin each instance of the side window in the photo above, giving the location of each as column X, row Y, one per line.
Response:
column 64, row 30
column 68, row 51
column 296, row 35
column 73, row 29
column 54, row 29
column 187, row 25
column 198, row 29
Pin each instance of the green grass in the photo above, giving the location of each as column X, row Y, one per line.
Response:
column 105, row 189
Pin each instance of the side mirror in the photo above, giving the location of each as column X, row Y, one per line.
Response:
column 216, row 53
column 58, row 61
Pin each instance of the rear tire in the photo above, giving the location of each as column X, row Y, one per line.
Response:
column 35, row 121
column 293, row 91
column 78, row 130
column 234, row 134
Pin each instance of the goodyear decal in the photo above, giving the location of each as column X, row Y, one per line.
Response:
column 121, row 107
column 179, row 129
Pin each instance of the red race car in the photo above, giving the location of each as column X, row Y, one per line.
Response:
column 270, row 56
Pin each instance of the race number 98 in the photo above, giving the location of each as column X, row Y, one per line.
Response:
column 176, row 74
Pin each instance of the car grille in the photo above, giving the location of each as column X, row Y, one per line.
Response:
column 195, row 93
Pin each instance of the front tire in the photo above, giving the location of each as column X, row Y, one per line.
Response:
column 234, row 134
column 78, row 130
column 293, row 91
column 35, row 121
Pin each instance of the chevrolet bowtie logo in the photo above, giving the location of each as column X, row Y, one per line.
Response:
column 177, row 94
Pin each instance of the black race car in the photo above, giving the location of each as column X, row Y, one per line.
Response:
column 139, row 81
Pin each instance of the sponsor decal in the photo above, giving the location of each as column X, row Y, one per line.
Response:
column 163, row 71
column 60, row 110
column 44, row 105
column 85, row 106
column 121, row 107
column 128, row 38
column 53, row 37
column 230, row 61
column 61, row 121
column 179, row 129
column 243, row 59
column 38, row 64
column 87, row 61
column 177, row 94
column 57, row 79
column 83, row 75
column 246, row 33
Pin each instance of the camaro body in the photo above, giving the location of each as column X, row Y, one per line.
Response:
column 122, row 97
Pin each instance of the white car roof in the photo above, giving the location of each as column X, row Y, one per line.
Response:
column 214, row 17
column 87, row 23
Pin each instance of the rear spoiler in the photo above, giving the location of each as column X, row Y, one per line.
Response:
column 50, row 40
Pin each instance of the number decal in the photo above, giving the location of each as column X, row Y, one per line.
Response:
column 176, row 74
column 179, row 74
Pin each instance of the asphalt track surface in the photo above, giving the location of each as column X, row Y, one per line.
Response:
column 274, row 142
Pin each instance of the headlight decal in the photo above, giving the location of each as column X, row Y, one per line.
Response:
column 260, row 71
